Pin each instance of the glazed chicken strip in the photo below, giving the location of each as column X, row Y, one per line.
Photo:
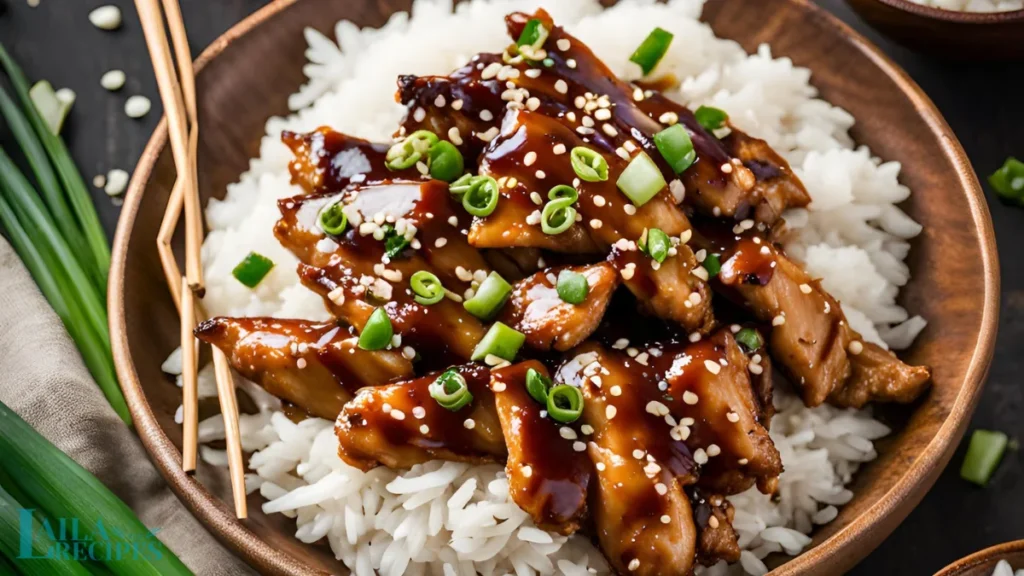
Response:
column 717, row 539
column 401, row 425
column 641, row 513
column 317, row 367
column 879, row 376
column 536, row 309
column 326, row 161
column 549, row 472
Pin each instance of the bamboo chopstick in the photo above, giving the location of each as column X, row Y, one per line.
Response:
column 179, row 101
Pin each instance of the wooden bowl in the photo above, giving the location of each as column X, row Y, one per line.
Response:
column 962, row 35
column 246, row 76
column 984, row 562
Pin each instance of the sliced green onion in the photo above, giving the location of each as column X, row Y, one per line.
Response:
column 462, row 185
column 445, row 161
column 713, row 264
column 572, row 287
column 252, row 269
column 563, row 191
column 565, row 403
column 589, row 164
column 656, row 244
column 427, row 288
column 534, row 34
column 500, row 341
column 377, row 332
column 489, row 298
column 1008, row 181
column 408, row 152
column 652, row 50
column 450, row 390
column 537, row 385
column 548, row 62
column 557, row 216
column 750, row 339
column 333, row 220
column 676, row 147
column 641, row 180
column 50, row 105
column 394, row 242
column 482, row 196
column 983, row 455
column 710, row 118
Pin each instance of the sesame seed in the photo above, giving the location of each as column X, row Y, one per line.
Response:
column 499, row 387
column 665, row 519
column 530, row 158
column 595, row 224
column 742, row 461
column 629, row 209
column 756, row 369
column 559, row 149
column 690, row 398
column 533, row 73
column 486, row 115
column 638, row 94
column 469, row 424
column 567, row 433
column 660, row 488
column 610, row 130
column 587, row 429
column 615, row 390
column 656, row 408
column 419, row 412
column 714, row 450
column 526, row 471
column 408, row 353
column 805, row 288
column 732, row 417
column 600, row 466
column 397, row 414
column 620, row 344
column 765, row 250
column 491, row 70
column 700, row 456
column 439, row 101
column 563, row 44
column 300, row 363
column 856, row 347
column 638, row 453
column 621, row 152
column 599, row 201
column 561, row 86
column 540, row 174
column 457, row 105
column 571, row 63
column 609, row 412
column 727, row 168
column 668, row 118
column 419, row 114
column 713, row 522
column 424, row 429
column 712, row 366
column 579, row 446
column 627, row 273
column 778, row 320
column 337, row 296
column 633, row 564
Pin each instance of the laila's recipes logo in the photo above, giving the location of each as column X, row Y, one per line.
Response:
column 71, row 540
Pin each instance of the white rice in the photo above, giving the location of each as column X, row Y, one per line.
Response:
column 974, row 5
column 448, row 518
column 1003, row 568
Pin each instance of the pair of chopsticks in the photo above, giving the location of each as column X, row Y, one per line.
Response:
column 178, row 93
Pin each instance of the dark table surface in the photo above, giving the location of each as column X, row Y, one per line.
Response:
column 982, row 102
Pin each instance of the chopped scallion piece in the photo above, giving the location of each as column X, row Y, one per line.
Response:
column 572, row 287
column 557, row 216
column 394, row 242
column 641, row 180
column 426, row 287
column 710, row 118
column 500, row 341
column 252, row 269
column 408, row 152
column 983, row 455
column 652, row 50
column 377, row 332
column 534, row 34
column 489, row 298
column 481, row 198
column 445, row 161
column 450, row 390
column 537, row 385
column 656, row 244
column 750, row 339
column 50, row 105
column 332, row 219
column 565, row 403
column 676, row 147
column 589, row 164
column 1008, row 181
column 713, row 264
column 548, row 62
column 563, row 191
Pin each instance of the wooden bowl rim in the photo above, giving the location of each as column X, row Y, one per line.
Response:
column 220, row 520
column 955, row 16
column 989, row 554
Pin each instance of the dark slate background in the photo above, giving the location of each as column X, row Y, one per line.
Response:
column 982, row 102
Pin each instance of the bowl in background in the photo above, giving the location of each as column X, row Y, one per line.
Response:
column 984, row 562
column 955, row 285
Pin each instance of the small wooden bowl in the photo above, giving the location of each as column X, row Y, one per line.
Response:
column 963, row 35
column 984, row 562
column 246, row 76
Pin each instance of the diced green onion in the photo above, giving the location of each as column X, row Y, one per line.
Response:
column 534, row 34
column 462, row 185
column 641, row 180
column 565, row 403
column 713, row 264
column 482, row 196
column 750, row 339
column 548, row 62
column 489, row 298
column 333, row 220
column 426, row 287
column 252, row 269
column 676, row 147
column 445, row 161
column 377, row 332
column 572, row 287
column 557, row 216
column 408, row 152
column 710, row 118
column 1008, row 181
column 563, row 191
column 657, row 244
column 450, row 390
column 652, row 50
column 394, row 242
column 51, row 107
column 983, row 455
column 589, row 164
column 537, row 385
column 500, row 341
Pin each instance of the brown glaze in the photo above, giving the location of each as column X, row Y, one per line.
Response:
column 716, row 538
column 960, row 302
column 328, row 161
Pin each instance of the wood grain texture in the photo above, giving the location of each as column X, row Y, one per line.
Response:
column 246, row 76
column 984, row 562
column 965, row 35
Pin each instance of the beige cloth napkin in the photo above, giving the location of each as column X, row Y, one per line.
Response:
column 43, row 379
